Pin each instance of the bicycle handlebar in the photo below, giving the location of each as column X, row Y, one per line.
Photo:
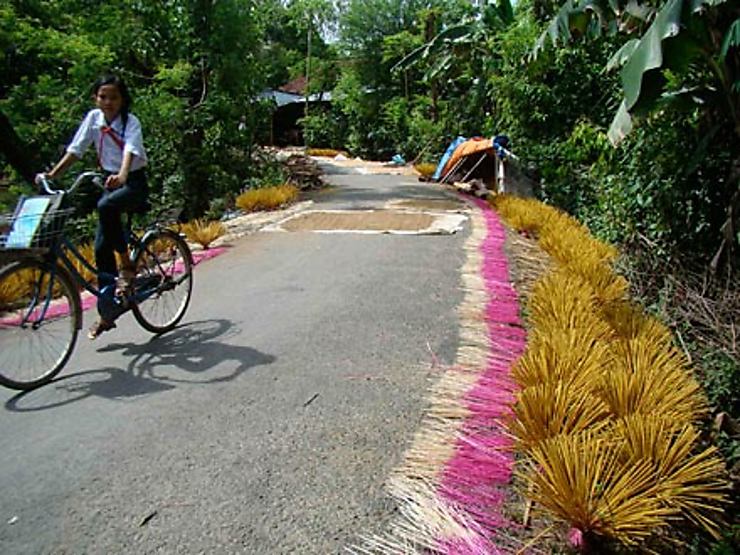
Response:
column 95, row 177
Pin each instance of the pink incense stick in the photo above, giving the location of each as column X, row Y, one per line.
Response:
column 475, row 477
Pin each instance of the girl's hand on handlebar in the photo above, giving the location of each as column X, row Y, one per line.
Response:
column 43, row 182
column 114, row 182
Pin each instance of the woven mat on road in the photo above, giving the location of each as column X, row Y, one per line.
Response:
column 372, row 221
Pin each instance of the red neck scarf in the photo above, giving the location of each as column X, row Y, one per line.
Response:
column 110, row 132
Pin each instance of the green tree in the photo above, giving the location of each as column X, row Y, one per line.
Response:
column 682, row 56
column 194, row 67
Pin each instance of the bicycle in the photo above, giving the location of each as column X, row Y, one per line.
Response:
column 40, row 288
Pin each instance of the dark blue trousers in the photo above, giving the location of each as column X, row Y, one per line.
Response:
column 132, row 197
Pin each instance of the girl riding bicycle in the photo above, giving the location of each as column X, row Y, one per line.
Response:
column 118, row 140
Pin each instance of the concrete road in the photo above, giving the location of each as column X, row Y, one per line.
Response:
column 266, row 423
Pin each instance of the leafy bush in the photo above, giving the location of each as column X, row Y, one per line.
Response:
column 722, row 381
column 325, row 128
column 267, row 171
column 188, row 84
column 426, row 137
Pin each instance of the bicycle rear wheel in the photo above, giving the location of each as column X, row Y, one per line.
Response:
column 164, row 281
column 40, row 316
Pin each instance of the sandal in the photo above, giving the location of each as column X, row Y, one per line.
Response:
column 99, row 327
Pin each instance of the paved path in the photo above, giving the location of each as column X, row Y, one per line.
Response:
column 266, row 423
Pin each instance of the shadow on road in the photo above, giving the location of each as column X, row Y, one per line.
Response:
column 189, row 354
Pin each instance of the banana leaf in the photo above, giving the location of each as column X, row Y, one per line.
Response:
column 732, row 38
column 505, row 11
column 639, row 11
column 672, row 41
column 440, row 67
column 622, row 55
column 450, row 34
column 578, row 15
column 648, row 55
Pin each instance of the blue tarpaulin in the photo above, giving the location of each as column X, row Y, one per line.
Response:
column 450, row 149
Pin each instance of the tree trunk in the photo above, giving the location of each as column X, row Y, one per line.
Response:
column 16, row 152
column 196, row 178
column 195, row 183
column 430, row 31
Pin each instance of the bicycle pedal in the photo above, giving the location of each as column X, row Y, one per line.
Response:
column 122, row 299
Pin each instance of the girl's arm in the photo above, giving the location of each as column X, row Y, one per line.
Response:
column 75, row 150
column 67, row 160
column 118, row 180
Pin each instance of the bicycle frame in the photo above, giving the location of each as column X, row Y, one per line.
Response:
column 36, row 323
column 46, row 281
column 58, row 252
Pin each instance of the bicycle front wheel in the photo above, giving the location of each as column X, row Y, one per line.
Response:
column 164, row 281
column 40, row 316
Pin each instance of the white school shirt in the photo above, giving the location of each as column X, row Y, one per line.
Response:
column 110, row 140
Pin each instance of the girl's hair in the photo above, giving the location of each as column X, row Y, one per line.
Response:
column 117, row 82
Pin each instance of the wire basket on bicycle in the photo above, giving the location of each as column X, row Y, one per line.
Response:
column 41, row 308
column 36, row 223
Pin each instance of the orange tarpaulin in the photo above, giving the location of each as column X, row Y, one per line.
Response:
column 471, row 146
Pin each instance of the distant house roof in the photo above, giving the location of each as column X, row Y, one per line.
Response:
column 296, row 86
column 283, row 98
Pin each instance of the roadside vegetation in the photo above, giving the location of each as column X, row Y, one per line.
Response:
column 625, row 115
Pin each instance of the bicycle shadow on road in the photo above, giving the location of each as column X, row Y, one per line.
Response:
column 190, row 354
column 191, row 348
